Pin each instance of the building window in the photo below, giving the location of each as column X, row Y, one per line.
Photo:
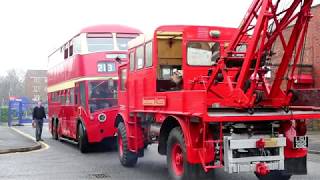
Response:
column 36, row 80
column 36, row 97
column 36, row 89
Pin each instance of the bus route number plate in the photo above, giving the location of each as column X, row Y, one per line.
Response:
column 300, row 142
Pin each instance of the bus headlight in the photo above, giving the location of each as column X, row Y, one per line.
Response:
column 102, row 117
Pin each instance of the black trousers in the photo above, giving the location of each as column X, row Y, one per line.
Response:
column 39, row 125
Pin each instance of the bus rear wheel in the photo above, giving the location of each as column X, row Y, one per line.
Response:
column 275, row 175
column 82, row 139
column 55, row 129
column 126, row 157
column 178, row 166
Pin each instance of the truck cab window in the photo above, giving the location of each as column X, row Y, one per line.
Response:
column 203, row 53
column 169, row 68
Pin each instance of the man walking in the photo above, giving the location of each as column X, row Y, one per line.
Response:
column 38, row 115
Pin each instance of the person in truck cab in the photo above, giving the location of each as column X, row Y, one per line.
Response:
column 176, row 80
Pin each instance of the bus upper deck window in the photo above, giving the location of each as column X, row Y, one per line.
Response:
column 65, row 53
column 100, row 42
column 123, row 39
column 71, row 50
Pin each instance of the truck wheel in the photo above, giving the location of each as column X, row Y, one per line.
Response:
column 275, row 175
column 55, row 129
column 82, row 139
column 178, row 167
column 127, row 158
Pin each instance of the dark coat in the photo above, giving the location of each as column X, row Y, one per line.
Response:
column 38, row 113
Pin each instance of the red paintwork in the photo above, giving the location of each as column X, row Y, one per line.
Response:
column 204, row 99
column 260, row 144
column 82, row 66
column 79, row 66
column 177, row 159
column 180, row 105
column 262, row 169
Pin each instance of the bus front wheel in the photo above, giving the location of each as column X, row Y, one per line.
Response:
column 82, row 139
column 127, row 158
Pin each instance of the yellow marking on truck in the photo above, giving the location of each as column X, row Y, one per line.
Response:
column 271, row 142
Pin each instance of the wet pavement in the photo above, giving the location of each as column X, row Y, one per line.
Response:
column 12, row 141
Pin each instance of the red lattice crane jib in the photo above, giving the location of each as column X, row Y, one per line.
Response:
column 238, row 80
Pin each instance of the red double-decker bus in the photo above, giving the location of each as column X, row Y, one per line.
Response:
column 82, row 85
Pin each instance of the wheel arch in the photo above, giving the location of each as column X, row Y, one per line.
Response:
column 119, row 118
column 168, row 124
column 80, row 121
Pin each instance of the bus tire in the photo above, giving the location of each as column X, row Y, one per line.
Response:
column 178, row 166
column 126, row 157
column 55, row 129
column 275, row 175
column 82, row 139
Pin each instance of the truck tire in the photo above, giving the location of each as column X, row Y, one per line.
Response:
column 55, row 129
column 178, row 166
column 82, row 139
column 275, row 175
column 126, row 157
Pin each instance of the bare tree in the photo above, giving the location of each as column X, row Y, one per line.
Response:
column 11, row 85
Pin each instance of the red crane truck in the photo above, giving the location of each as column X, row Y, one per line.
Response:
column 202, row 94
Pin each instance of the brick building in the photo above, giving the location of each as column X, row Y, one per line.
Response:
column 36, row 85
column 308, row 69
column 308, row 65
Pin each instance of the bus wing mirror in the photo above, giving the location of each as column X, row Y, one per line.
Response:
column 118, row 59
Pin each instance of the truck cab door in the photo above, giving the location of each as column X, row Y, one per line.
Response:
column 123, row 88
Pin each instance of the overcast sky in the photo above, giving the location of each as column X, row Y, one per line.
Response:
column 31, row 29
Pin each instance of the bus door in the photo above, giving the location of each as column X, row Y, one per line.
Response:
column 76, row 108
column 81, row 104
column 71, row 112
column 62, row 114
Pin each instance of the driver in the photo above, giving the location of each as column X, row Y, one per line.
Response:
column 176, row 80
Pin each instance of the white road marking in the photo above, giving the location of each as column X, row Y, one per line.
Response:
column 44, row 146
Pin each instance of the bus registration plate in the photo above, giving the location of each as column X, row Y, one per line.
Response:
column 300, row 142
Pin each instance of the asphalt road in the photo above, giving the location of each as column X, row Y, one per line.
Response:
column 64, row 161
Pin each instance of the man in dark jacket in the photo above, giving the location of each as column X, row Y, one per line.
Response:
column 38, row 115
